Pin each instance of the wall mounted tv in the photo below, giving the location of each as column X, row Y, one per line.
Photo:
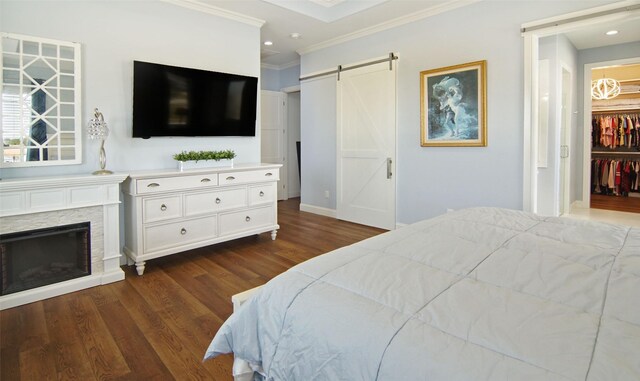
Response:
column 177, row 101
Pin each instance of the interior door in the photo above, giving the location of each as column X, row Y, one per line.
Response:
column 273, row 135
column 366, row 146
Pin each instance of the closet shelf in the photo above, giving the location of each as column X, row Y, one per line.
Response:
column 615, row 153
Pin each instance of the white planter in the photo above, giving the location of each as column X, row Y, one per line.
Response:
column 200, row 164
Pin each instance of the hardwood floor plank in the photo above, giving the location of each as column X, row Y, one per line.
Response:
column 71, row 360
column 617, row 203
column 158, row 326
column 140, row 356
column 11, row 329
column 105, row 357
column 37, row 363
column 34, row 333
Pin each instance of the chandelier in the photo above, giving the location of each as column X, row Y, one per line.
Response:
column 605, row 88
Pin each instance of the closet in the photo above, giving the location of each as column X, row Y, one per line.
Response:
column 615, row 160
column 615, row 143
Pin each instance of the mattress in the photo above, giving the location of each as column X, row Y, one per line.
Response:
column 475, row 294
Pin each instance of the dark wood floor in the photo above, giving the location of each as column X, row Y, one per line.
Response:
column 618, row 203
column 158, row 326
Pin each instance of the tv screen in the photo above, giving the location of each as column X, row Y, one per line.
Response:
column 177, row 101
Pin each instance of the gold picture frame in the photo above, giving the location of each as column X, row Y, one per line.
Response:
column 453, row 106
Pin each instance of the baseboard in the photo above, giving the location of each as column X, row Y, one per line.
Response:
column 578, row 204
column 318, row 210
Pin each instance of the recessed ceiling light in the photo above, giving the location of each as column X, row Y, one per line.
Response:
column 268, row 43
column 612, row 33
column 295, row 35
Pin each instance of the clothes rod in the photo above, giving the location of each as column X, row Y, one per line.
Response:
column 615, row 153
column 340, row 68
column 617, row 111
column 629, row 8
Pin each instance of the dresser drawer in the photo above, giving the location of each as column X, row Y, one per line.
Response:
column 262, row 194
column 161, row 208
column 211, row 202
column 164, row 184
column 246, row 220
column 179, row 233
column 231, row 178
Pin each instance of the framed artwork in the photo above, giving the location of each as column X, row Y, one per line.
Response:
column 453, row 106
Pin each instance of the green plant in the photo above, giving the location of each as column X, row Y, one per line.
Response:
column 204, row 155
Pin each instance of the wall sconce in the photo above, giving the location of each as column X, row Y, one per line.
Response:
column 98, row 129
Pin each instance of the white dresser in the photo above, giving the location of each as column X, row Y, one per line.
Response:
column 168, row 211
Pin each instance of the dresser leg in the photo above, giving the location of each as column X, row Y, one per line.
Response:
column 273, row 234
column 140, row 267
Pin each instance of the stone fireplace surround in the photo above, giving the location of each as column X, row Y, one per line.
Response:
column 33, row 203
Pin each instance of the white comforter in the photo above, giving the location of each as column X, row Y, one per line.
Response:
column 477, row 294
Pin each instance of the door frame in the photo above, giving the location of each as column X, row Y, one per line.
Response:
column 287, row 91
column 586, row 157
column 532, row 32
column 565, row 133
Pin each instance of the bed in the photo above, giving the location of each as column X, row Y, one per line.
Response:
column 475, row 294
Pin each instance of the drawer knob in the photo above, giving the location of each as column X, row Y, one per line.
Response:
column 247, row 219
column 268, row 174
column 218, row 200
column 261, row 194
column 153, row 185
column 163, row 207
column 205, row 180
column 183, row 231
column 231, row 178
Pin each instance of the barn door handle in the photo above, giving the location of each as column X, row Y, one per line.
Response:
column 389, row 174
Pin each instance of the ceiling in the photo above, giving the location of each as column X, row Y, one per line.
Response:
column 324, row 22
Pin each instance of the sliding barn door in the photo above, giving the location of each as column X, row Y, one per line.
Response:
column 366, row 146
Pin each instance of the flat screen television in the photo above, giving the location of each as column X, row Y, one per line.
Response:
column 177, row 101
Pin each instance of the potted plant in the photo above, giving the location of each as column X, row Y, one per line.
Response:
column 204, row 159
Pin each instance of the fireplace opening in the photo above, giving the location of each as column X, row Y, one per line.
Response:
column 41, row 257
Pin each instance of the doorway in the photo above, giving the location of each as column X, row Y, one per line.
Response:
column 613, row 154
column 593, row 24
column 293, row 144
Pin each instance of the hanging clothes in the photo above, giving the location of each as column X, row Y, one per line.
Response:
column 615, row 130
column 615, row 177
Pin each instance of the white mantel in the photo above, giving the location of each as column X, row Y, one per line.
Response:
column 31, row 203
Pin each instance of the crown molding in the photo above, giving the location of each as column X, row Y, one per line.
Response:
column 280, row 67
column 399, row 21
column 216, row 11
column 269, row 66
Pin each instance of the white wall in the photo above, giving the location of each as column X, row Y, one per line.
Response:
column 270, row 79
column 113, row 34
column 290, row 76
column 318, row 141
column 432, row 179
column 278, row 79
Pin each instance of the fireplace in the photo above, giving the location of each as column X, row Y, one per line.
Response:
column 41, row 257
column 38, row 204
